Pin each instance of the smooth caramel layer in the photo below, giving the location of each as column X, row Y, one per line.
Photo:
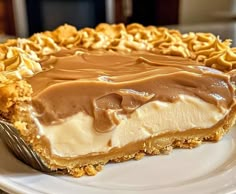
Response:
column 107, row 85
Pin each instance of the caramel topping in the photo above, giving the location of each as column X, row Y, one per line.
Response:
column 108, row 85
column 202, row 47
column 196, row 46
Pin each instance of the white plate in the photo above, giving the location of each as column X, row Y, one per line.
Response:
column 210, row 168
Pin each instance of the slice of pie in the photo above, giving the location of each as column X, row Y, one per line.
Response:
column 84, row 98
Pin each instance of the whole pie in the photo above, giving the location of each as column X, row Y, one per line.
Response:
column 83, row 98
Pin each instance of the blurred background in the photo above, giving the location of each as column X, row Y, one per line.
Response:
column 25, row 17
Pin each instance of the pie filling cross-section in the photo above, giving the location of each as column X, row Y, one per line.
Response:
column 80, row 108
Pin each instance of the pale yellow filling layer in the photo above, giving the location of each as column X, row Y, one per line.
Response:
column 76, row 136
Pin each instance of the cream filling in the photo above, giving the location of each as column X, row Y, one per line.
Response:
column 76, row 136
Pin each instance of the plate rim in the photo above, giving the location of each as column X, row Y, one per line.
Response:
column 7, row 184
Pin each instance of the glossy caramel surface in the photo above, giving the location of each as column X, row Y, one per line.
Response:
column 107, row 84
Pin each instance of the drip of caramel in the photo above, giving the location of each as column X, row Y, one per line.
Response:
column 107, row 84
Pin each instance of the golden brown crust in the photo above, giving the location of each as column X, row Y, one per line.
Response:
column 12, row 95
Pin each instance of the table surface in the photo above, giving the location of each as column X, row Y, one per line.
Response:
column 224, row 30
